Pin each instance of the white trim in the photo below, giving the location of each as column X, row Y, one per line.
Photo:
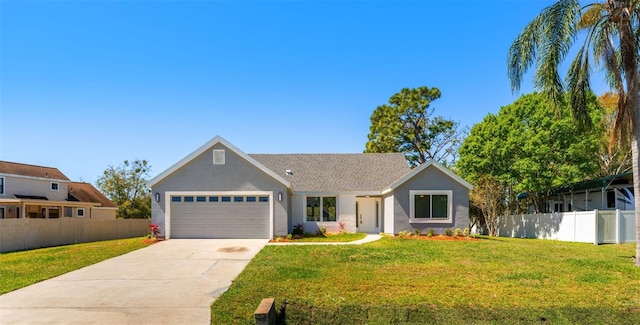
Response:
column 422, row 167
column 388, row 215
column 205, row 147
column 36, row 178
column 169, row 194
column 413, row 193
column 304, row 207
column 57, row 186
column 356, row 193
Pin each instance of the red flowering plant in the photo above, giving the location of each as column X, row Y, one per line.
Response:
column 154, row 231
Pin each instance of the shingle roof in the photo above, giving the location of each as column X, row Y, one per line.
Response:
column 337, row 172
column 85, row 192
column 12, row 168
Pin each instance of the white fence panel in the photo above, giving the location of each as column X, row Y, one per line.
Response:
column 628, row 226
column 597, row 226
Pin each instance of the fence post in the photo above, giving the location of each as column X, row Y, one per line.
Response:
column 575, row 226
column 595, row 214
column 618, row 215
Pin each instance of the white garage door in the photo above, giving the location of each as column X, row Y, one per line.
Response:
column 220, row 216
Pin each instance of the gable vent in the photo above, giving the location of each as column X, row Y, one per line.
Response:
column 218, row 157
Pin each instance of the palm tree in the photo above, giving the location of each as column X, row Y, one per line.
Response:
column 612, row 36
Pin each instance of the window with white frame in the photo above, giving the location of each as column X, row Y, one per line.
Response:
column 55, row 186
column 80, row 212
column 431, row 206
column 1, row 185
column 321, row 208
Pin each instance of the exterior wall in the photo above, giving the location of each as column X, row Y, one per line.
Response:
column 103, row 213
column 430, row 179
column 346, row 212
column 34, row 186
column 237, row 174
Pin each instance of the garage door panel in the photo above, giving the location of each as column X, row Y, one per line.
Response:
column 220, row 219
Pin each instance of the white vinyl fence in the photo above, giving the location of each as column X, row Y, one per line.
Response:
column 28, row 233
column 597, row 227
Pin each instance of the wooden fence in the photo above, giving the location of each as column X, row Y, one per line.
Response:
column 597, row 226
column 27, row 233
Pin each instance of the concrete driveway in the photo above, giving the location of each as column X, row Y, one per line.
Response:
column 171, row 282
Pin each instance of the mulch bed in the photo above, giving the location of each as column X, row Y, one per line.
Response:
column 439, row 237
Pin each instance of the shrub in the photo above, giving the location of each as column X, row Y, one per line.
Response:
column 323, row 230
column 404, row 233
column 431, row 232
column 466, row 232
column 298, row 230
column 154, row 230
column 448, row 232
column 289, row 236
column 417, row 232
column 278, row 239
column 343, row 229
column 458, row 232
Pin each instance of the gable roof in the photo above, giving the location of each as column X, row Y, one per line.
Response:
column 85, row 192
column 217, row 139
column 337, row 172
column 430, row 163
column 12, row 168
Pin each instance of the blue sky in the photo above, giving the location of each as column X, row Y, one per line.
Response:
column 87, row 84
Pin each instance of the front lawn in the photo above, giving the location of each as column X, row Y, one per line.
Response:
column 396, row 280
column 20, row 269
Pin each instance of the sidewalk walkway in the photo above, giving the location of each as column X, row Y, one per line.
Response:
column 368, row 239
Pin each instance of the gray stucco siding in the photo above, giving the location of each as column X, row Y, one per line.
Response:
column 236, row 174
column 430, row 179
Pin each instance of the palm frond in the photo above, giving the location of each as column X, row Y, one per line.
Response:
column 558, row 34
column 522, row 52
column 545, row 40
column 591, row 15
column 578, row 86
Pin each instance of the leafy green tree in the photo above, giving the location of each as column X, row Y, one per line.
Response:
column 126, row 186
column 612, row 35
column 527, row 148
column 407, row 124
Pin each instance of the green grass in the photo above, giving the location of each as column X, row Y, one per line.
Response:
column 332, row 238
column 20, row 269
column 404, row 281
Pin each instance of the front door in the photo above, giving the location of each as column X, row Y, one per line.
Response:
column 368, row 214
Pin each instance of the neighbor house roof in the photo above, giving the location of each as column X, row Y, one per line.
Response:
column 13, row 168
column 624, row 178
column 337, row 172
column 85, row 192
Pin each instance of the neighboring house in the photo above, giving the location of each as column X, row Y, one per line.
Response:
column 606, row 193
column 218, row 191
column 28, row 191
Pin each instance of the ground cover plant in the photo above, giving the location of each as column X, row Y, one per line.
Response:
column 20, row 269
column 405, row 281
